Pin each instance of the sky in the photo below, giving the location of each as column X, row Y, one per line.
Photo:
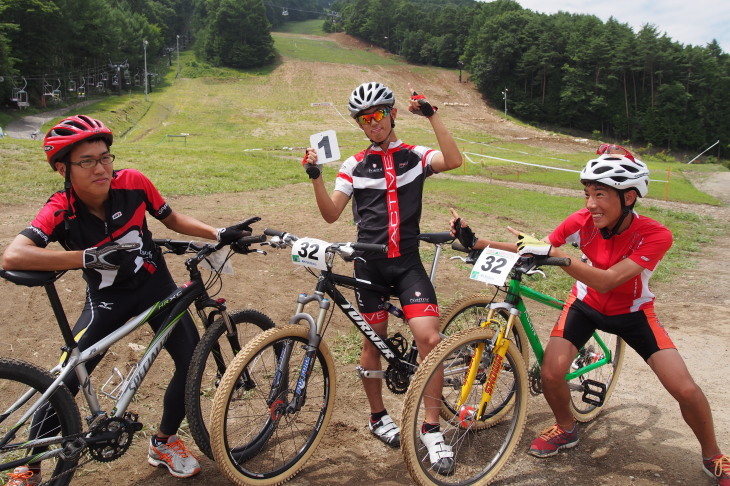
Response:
column 694, row 22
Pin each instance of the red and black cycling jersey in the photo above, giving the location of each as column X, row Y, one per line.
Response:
column 645, row 242
column 131, row 195
column 387, row 191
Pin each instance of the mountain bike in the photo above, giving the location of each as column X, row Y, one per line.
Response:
column 483, row 407
column 40, row 422
column 265, row 434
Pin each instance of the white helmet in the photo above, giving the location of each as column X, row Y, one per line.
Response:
column 368, row 95
column 618, row 172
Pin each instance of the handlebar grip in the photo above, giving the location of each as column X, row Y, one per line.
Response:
column 456, row 245
column 556, row 261
column 273, row 232
column 250, row 240
column 370, row 247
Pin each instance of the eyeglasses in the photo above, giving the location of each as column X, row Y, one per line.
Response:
column 91, row 163
column 609, row 149
column 377, row 115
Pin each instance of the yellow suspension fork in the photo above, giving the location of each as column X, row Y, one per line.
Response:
column 501, row 344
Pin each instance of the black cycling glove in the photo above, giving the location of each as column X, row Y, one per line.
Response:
column 232, row 233
column 425, row 108
column 313, row 170
column 465, row 235
column 110, row 256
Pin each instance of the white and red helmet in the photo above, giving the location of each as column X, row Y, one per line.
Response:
column 619, row 172
column 68, row 132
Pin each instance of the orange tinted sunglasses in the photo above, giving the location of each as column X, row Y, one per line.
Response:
column 377, row 115
column 611, row 149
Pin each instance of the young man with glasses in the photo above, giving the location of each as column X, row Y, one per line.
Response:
column 99, row 219
column 385, row 182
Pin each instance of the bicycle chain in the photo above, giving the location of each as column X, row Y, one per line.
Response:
column 535, row 379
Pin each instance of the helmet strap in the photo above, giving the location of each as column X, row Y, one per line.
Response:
column 385, row 142
column 67, row 213
column 625, row 211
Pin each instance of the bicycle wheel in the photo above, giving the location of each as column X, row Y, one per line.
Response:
column 21, row 384
column 470, row 312
column 211, row 357
column 256, row 438
column 479, row 454
column 606, row 375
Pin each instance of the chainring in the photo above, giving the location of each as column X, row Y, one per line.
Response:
column 397, row 380
column 535, row 379
column 111, row 438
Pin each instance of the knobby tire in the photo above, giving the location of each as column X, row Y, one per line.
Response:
column 16, row 378
column 479, row 453
column 255, row 439
column 204, row 375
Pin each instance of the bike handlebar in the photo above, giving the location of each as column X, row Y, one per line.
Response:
column 287, row 238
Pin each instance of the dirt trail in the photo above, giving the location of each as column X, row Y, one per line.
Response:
column 28, row 127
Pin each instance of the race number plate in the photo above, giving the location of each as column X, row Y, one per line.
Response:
column 493, row 266
column 309, row 252
column 325, row 143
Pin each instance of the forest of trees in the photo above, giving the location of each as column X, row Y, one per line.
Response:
column 571, row 71
column 562, row 70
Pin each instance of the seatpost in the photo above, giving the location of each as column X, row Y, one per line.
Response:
column 68, row 338
column 437, row 253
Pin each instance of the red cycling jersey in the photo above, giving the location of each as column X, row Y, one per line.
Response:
column 131, row 195
column 645, row 242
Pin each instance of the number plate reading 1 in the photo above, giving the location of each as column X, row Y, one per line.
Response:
column 309, row 252
column 493, row 266
column 325, row 143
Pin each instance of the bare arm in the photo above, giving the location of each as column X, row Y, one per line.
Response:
column 330, row 207
column 23, row 254
column 450, row 156
column 187, row 225
column 601, row 281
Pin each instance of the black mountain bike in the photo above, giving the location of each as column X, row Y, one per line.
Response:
column 263, row 434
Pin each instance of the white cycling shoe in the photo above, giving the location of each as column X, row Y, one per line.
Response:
column 386, row 430
column 439, row 453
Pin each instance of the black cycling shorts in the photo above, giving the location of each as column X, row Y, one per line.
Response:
column 408, row 279
column 641, row 329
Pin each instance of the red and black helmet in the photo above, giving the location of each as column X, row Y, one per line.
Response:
column 68, row 132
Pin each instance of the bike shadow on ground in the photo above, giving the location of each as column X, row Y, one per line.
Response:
column 627, row 444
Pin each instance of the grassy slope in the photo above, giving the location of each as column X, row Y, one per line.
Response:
column 247, row 130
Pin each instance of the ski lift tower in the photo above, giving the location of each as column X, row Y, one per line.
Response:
column 146, row 97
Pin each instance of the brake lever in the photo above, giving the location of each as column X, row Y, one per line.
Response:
column 534, row 271
column 457, row 257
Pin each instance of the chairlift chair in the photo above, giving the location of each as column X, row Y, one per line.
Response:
column 284, row 11
column 71, row 85
column 47, row 88
column 56, row 93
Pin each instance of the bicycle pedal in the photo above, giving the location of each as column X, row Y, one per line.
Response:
column 72, row 450
column 375, row 374
column 594, row 392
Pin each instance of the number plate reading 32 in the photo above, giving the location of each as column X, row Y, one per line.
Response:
column 493, row 266
column 309, row 252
